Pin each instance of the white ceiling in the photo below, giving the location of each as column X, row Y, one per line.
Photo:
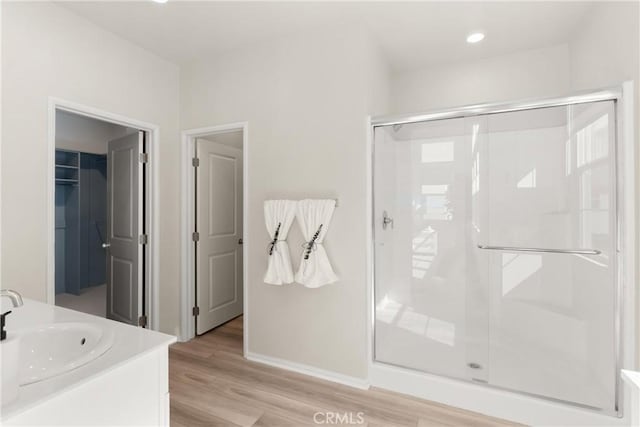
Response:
column 412, row 34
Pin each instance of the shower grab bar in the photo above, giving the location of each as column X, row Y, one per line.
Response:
column 546, row 250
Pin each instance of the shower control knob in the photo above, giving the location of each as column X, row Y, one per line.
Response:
column 386, row 220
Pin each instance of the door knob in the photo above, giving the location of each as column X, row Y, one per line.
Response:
column 386, row 220
column 106, row 245
column 240, row 241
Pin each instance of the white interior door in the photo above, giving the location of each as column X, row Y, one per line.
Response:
column 219, row 224
column 124, row 226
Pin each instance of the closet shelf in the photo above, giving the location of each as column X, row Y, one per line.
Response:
column 67, row 159
column 66, row 181
column 67, row 166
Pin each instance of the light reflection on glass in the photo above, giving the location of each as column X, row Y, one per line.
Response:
column 387, row 310
column 518, row 268
column 568, row 158
column 435, row 202
column 436, row 152
column 435, row 189
column 592, row 150
column 593, row 141
column 529, row 180
column 441, row 331
column 404, row 317
column 474, row 136
column 475, row 174
column 425, row 249
column 413, row 321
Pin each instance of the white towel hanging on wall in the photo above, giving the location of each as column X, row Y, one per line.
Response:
column 314, row 217
column 279, row 215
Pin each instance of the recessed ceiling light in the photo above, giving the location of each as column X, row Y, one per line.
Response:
column 475, row 37
column 159, row 1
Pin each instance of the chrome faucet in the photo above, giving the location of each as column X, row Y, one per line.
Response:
column 16, row 298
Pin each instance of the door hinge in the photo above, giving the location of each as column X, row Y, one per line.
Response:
column 195, row 162
column 142, row 321
column 143, row 239
column 195, row 236
column 144, row 157
column 196, row 311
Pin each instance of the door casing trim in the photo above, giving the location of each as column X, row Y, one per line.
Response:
column 153, row 256
column 187, row 249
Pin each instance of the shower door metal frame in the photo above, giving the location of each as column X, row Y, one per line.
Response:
column 609, row 94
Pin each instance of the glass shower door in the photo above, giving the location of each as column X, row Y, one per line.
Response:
column 494, row 250
column 551, row 188
column 430, row 280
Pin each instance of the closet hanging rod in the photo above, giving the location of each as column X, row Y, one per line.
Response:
column 546, row 250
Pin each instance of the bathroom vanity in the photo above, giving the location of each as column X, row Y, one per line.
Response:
column 76, row 369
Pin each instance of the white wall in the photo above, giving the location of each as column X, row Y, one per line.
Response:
column 306, row 99
column 79, row 133
column 605, row 47
column 527, row 74
column 48, row 51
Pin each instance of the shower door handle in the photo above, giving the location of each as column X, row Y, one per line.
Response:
column 545, row 250
column 386, row 220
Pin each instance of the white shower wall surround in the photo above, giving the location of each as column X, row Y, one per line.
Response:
column 501, row 264
column 314, row 217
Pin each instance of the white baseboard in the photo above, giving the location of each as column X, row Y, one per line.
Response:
column 516, row 407
column 478, row 398
column 312, row 371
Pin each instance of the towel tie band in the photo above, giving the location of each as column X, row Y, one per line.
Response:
column 311, row 246
column 272, row 245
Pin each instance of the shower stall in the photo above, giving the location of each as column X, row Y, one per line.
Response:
column 496, row 247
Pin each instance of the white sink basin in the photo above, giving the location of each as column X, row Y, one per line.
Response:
column 50, row 350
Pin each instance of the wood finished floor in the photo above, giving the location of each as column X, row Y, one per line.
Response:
column 212, row 384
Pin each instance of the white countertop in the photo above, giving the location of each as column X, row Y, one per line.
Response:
column 130, row 343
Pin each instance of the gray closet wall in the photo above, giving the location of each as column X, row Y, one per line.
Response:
column 81, row 214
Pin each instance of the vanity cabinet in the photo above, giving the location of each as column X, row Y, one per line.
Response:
column 136, row 393
column 126, row 385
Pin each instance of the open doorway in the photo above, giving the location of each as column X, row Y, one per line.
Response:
column 218, row 229
column 214, row 228
column 101, row 218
